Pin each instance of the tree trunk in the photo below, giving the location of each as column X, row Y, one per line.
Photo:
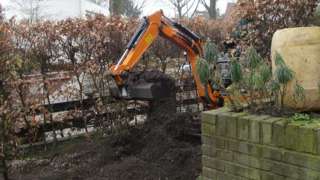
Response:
column 179, row 12
column 47, row 96
column 83, row 116
column 4, row 167
column 115, row 7
column 212, row 10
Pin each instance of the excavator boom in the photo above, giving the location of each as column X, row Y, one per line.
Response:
column 153, row 26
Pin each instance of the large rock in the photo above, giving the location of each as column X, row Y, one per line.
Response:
column 300, row 49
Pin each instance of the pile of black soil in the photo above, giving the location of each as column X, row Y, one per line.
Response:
column 159, row 149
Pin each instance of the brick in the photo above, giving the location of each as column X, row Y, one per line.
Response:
column 221, row 126
column 266, row 164
column 280, row 169
column 255, row 128
column 304, row 160
column 294, row 172
column 225, row 155
column 203, row 178
column 214, row 113
column 208, row 150
column 266, row 127
column 272, row 153
column 307, row 140
column 270, row 176
column 317, row 136
column 208, row 129
column 232, row 125
column 209, row 117
column 244, row 147
column 222, row 110
column 209, row 173
column 243, row 128
column 213, row 142
column 246, row 160
column 291, row 136
column 242, row 171
column 212, row 163
column 251, row 161
column 278, row 133
column 225, row 176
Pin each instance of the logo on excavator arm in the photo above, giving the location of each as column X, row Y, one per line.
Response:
column 149, row 39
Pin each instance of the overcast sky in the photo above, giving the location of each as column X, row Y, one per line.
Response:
column 69, row 7
column 153, row 5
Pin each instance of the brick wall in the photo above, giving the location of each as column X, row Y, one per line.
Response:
column 239, row 146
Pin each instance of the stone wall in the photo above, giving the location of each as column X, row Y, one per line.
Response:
column 240, row 146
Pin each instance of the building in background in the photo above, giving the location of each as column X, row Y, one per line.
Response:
column 34, row 10
column 230, row 8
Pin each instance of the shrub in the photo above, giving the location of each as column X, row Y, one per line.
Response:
column 260, row 19
column 254, row 77
column 211, row 52
column 204, row 70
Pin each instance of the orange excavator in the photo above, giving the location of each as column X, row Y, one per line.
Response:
column 153, row 26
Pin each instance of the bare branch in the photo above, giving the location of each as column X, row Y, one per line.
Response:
column 204, row 3
column 183, row 7
column 195, row 10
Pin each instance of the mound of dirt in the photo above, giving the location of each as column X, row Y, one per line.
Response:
column 159, row 149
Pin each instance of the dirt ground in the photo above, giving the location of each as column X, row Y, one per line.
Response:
column 161, row 149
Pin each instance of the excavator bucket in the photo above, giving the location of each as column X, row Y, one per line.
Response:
column 152, row 85
column 149, row 91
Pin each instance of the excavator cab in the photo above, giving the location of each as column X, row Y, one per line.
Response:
column 154, row 85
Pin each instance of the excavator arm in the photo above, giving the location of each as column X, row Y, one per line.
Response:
column 159, row 25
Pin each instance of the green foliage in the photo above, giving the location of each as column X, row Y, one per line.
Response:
column 254, row 76
column 256, row 81
column 236, row 72
column 279, row 60
column 125, row 7
column 258, row 72
column 283, row 75
column 299, row 93
column 203, row 70
column 302, row 117
column 317, row 13
column 274, row 86
column 265, row 72
column 211, row 52
column 253, row 58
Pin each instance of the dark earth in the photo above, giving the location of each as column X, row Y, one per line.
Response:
column 160, row 149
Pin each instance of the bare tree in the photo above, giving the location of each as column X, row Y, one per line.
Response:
column 30, row 8
column 185, row 8
column 133, row 9
column 1, row 13
column 129, row 8
column 211, row 7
